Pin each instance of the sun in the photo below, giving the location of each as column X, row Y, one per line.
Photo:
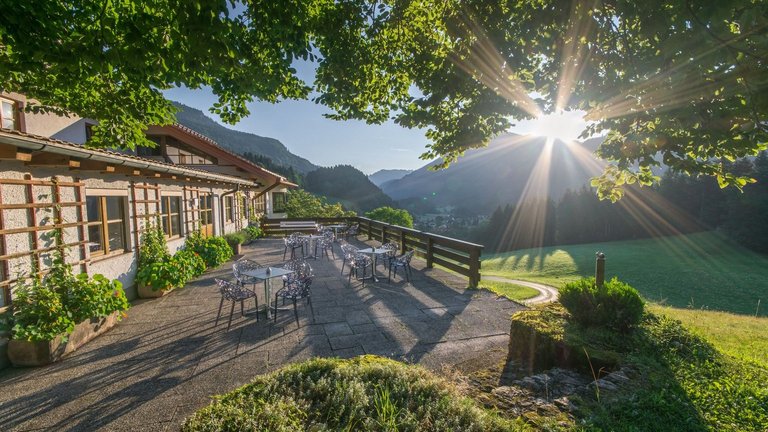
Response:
column 564, row 125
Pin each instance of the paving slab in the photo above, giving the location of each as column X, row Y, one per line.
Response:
column 168, row 358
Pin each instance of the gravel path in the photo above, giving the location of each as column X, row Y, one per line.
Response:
column 547, row 293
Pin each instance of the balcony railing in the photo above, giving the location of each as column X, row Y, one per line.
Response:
column 455, row 255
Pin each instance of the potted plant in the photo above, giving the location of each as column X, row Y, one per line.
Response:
column 155, row 276
column 252, row 232
column 235, row 241
column 56, row 315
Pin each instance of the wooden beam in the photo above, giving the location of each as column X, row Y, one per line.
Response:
column 127, row 171
column 152, row 174
column 51, row 159
column 89, row 165
column 9, row 152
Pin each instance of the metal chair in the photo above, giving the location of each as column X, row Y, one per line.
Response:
column 403, row 261
column 293, row 243
column 234, row 293
column 325, row 244
column 296, row 286
column 245, row 265
column 386, row 257
column 357, row 263
column 351, row 231
column 348, row 254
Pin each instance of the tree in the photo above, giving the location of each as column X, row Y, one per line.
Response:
column 302, row 204
column 392, row 216
column 681, row 82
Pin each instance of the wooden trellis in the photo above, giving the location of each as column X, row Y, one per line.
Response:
column 146, row 195
column 33, row 230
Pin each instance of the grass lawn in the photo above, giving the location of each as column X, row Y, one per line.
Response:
column 509, row 290
column 701, row 270
column 740, row 336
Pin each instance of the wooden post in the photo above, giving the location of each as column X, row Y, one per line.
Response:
column 402, row 241
column 370, row 229
column 383, row 233
column 600, row 269
column 474, row 267
column 430, row 251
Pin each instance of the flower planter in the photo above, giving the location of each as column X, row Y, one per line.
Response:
column 237, row 248
column 146, row 291
column 26, row 353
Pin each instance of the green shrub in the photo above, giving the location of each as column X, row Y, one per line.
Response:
column 253, row 232
column 615, row 305
column 153, row 246
column 45, row 308
column 191, row 262
column 235, row 238
column 392, row 216
column 362, row 394
column 213, row 250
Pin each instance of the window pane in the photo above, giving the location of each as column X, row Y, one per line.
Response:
column 164, row 205
column 165, row 225
column 92, row 205
column 94, row 236
column 114, row 208
column 175, row 204
column 176, row 224
column 116, row 235
column 7, row 110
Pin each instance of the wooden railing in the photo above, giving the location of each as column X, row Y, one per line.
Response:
column 456, row 255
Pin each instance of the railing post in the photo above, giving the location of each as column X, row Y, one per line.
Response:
column 474, row 267
column 402, row 241
column 430, row 251
column 370, row 229
column 383, row 233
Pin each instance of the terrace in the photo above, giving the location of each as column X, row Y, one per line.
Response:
column 166, row 359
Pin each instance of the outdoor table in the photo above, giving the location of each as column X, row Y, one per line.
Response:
column 336, row 228
column 267, row 274
column 374, row 252
column 312, row 244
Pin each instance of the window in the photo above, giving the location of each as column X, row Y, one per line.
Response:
column 278, row 202
column 88, row 131
column 241, row 207
column 10, row 115
column 228, row 209
column 144, row 151
column 259, row 204
column 106, row 224
column 170, row 214
column 206, row 214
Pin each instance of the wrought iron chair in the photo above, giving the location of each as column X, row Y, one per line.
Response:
column 296, row 286
column 357, row 263
column 351, row 231
column 348, row 254
column 403, row 261
column 293, row 243
column 234, row 293
column 386, row 257
column 325, row 244
column 245, row 265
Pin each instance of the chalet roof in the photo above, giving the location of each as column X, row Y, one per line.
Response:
column 30, row 142
column 212, row 147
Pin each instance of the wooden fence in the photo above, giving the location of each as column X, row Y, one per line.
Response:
column 456, row 255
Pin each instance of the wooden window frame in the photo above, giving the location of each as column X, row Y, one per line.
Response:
column 104, row 223
column 16, row 116
column 165, row 200
column 283, row 202
column 229, row 209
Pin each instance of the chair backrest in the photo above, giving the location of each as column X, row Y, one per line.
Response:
column 406, row 257
column 244, row 265
column 361, row 260
column 228, row 290
column 301, row 268
column 348, row 250
column 392, row 247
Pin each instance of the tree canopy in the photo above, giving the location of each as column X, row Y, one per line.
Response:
column 681, row 82
column 302, row 204
column 392, row 216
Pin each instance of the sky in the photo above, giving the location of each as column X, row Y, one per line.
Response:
column 301, row 127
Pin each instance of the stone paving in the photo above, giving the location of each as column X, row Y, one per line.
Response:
column 166, row 359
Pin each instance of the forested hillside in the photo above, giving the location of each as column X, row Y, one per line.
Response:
column 348, row 186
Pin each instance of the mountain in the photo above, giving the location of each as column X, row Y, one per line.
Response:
column 348, row 186
column 498, row 174
column 382, row 176
column 241, row 142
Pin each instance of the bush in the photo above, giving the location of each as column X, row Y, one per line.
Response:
column 213, row 250
column 192, row 263
column 615, row 305
column 236, row 238
column 162, row 275
column 44, row 309
column 253, row 232
column 362, row 394
column 392, row 216
column 153, row 246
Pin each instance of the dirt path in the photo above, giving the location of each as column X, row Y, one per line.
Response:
column 546, row 293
